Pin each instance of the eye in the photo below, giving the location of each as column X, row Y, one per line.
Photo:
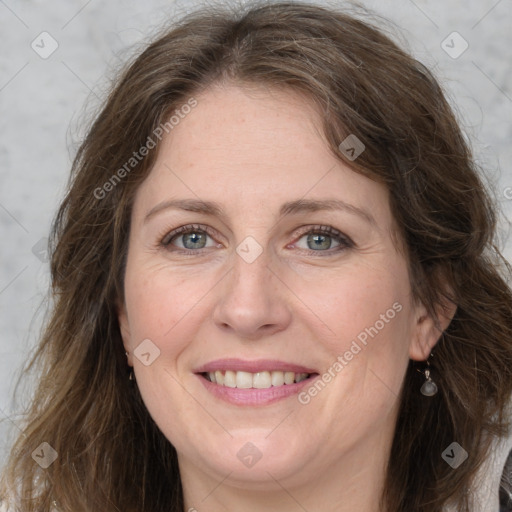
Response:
column 192, row 238
column 322, row 238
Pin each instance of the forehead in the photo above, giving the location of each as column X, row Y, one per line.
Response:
column 234, row 124
column 253, row 148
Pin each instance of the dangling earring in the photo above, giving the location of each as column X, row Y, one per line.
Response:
column 429, row 387
column 131, row 375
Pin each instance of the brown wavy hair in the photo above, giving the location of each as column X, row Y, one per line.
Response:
column 111, row 455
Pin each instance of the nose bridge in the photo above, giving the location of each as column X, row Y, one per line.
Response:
column 250, row 278
column 250, row 301
column 251, row 259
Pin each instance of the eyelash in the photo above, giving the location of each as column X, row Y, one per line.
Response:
column 345, row 241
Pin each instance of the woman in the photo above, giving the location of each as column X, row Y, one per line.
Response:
column 275, row 285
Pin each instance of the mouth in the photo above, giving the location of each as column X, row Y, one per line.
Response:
column 254, row 382
column 260, row 380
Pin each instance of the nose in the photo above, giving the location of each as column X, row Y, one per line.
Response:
column 253, row 300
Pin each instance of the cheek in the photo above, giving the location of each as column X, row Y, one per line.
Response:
column 162, row 306
column 363, row 303
column 368, row 314
column 161, row 301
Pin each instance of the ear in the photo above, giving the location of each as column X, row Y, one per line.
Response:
column 429, row 328
column 124, row 327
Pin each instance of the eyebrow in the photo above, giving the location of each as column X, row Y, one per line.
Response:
column 288, row 208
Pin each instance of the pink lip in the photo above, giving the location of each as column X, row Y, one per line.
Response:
column 240, row 365
column 255, row 396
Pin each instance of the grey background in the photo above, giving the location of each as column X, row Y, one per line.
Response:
column 45, row 101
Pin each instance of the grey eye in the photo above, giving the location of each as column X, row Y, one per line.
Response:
column 318, row 241
column 194, row 240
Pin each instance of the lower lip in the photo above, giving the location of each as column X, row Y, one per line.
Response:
column 252, row 396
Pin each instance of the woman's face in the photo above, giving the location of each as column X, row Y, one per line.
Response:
column 301, row 314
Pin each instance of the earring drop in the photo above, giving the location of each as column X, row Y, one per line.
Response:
column 131, row 375
column 429, row 387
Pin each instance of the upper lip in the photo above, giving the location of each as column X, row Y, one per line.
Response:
column 261, row 365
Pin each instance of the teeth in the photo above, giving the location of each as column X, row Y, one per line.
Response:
column 260, row 380
column 277, row 378
column 230, row 379
column 289, row 377
column 243, row 380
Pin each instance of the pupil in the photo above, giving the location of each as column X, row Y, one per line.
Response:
column 320, row 241
column 195, row 238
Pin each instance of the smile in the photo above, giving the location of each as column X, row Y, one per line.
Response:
column 254, row 383
column 259, row 380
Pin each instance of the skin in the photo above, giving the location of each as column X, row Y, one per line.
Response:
column 251, row 151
